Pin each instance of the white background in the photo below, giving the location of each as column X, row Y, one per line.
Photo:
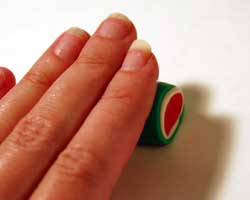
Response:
column 201, row 45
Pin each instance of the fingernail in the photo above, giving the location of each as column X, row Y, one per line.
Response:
column 116, row 26
column 137, row 56
column 2, row 78
column 70, row 44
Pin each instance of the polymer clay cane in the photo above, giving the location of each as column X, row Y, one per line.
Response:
column 165, row 117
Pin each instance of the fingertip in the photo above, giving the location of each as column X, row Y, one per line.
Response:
column 78, row 32
column 141, row 45
column 68, row 46
column 117, row 26
column 140, row 59
column 7, row 80
column 153, row 65
column 126, row 19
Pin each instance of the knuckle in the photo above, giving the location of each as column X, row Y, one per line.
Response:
column 124, row 96
column 38, row 78
column 32, row 132
column 77, row 162
column 93, row 60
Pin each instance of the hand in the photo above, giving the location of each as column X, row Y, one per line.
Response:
column 70, row 125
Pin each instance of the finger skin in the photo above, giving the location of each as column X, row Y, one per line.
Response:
column 92, row 162
column 7, row 81
column 47, row 128
column 45, row 71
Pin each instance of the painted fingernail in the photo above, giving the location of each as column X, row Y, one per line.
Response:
column 70, row 44
column 137, row 56
column 116, row 26
column 2, row 78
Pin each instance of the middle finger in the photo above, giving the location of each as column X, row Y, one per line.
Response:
column 44, row 132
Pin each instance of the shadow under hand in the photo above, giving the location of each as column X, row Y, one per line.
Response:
column 190, row 168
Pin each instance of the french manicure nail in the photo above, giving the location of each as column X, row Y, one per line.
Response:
column 137, row 56
column 116, row 26
column 70, row 44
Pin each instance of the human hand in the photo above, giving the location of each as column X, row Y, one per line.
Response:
column 70, row 125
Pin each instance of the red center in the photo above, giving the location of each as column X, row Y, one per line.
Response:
column 172, row 112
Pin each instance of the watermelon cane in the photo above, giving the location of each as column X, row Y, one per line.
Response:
column 165, row 117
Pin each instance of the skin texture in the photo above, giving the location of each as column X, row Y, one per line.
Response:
column 62, row 138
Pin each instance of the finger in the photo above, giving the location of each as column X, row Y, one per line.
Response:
column 45, row 71
column 93, row 160
column 47, row 128
column 7, row 81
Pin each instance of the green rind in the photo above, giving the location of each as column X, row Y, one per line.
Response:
column 152, row 133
